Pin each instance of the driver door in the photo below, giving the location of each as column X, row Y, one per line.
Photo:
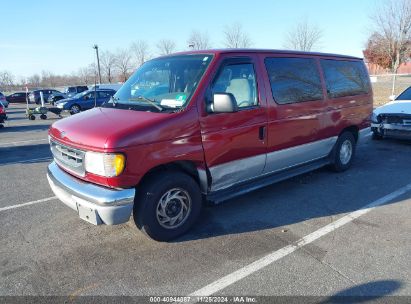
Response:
column 235, row 143
column 88, row 101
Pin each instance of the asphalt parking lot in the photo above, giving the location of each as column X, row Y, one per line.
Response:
column 308, row 236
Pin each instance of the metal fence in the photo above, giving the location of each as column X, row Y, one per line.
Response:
column 389, row 84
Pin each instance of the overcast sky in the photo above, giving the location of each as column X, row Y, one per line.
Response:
column 58, row 35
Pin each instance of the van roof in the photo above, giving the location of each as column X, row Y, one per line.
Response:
column 265, row 51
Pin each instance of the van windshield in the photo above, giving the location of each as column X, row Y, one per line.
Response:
column 164, row 84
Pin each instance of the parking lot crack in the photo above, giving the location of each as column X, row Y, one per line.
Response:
column 328, row 266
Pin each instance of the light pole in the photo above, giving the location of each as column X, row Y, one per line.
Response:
column 98, row 62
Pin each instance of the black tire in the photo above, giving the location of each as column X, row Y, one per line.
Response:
column 32, row 117
column 343, row 152
column 75, row 109
column 43, row 116
column 147, row 204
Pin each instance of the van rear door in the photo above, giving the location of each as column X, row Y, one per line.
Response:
column 296, row 101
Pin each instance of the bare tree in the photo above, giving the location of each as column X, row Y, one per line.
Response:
column 392, row 32
column 235, row 37
column 123, row 63
column 108, row 63
column 6, row 79
column 85, row 76
column 303, row 37
column 141, row 51
column 199, row 40
column 48, row 79
column 34, row 80
column 166, row 46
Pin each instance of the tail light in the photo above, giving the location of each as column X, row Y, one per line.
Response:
column 2, row 111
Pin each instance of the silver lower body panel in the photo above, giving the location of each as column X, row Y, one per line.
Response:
column 94, row 204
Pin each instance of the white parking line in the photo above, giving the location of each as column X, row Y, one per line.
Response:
column 15, row 143
column 276, row 255
column 28, row 203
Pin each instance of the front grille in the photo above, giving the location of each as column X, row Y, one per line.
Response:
column 398, row 119
column 69, row 158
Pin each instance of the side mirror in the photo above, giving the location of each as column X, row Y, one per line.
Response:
column 392, row 97
column 223, row 103
column 86, row 97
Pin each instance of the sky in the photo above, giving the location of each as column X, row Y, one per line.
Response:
column 57, row 36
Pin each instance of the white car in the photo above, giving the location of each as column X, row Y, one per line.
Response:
column 394, row 118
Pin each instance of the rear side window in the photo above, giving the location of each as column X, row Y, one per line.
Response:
column 294, row 79
column 345, row 78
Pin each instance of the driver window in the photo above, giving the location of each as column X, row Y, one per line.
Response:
column 239, row 80
column 89, row 95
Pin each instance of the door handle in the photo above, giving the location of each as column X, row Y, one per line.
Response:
column 261, row 133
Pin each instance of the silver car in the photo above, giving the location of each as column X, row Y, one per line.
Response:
column 394, row 118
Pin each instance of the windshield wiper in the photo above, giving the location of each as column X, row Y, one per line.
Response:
column 151, row 102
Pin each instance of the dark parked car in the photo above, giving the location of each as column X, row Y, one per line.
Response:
column 67, row 93
column 34, row 97
column 17, row 97
column 4, row 100
column 84, row 101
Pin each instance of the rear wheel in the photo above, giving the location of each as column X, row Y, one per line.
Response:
column 32, row 117
column 343, row 152
column 167, row 205
column 74, row 109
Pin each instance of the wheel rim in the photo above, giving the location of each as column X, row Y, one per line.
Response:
column 75, row 109
column 346, row 152
column 173, row 208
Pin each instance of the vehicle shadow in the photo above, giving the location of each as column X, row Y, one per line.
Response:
column 15, row 111
column 316, row 195
column 16, row 118
column 28, row 128
column 25, row 154
column 372, row 292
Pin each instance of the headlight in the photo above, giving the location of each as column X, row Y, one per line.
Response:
column 105, row 164
column 61, row 104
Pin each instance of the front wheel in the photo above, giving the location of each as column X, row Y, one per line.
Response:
column 167, row 205
column 74, row 109
column 343, row 152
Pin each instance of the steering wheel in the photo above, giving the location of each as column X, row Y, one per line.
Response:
column 245, row 103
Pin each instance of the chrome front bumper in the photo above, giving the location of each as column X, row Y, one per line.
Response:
column 94, row 204
column 392, row 130
column 386, row 126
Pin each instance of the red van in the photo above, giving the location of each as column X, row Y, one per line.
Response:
column 207, row 126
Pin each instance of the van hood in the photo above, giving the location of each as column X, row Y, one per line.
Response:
column 107, row 128
column 395, row 107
